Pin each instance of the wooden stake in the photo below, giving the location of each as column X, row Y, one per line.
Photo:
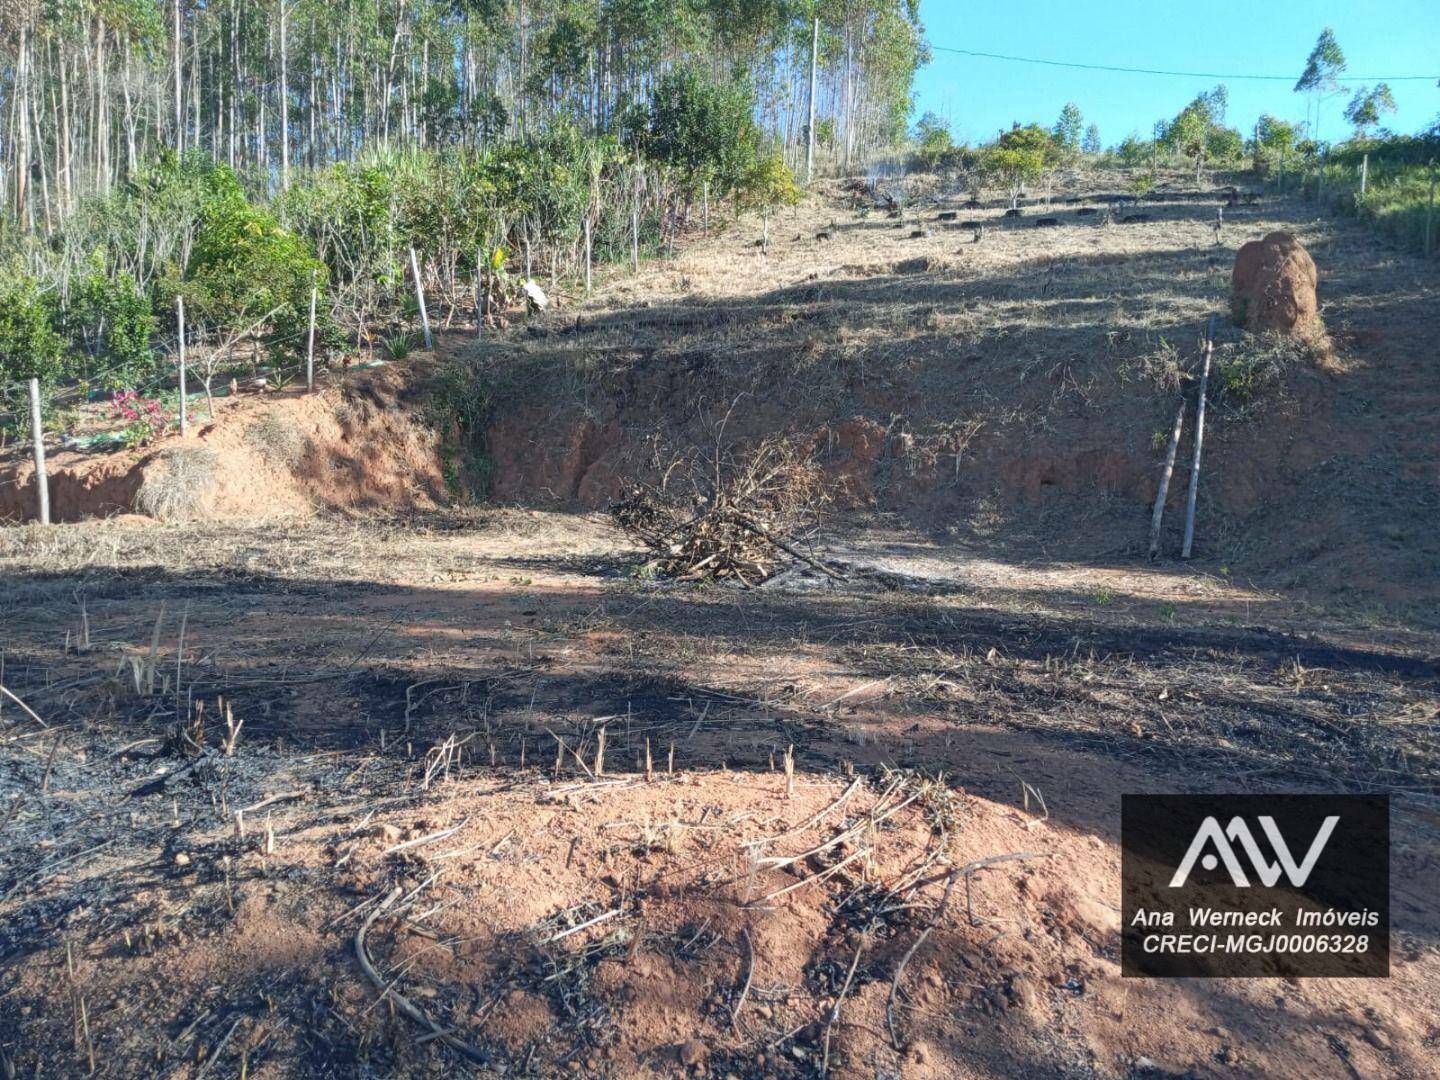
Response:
column 1199, row 441
column 600, row 752
column 180, row 319
column 420, row 299
column 37, row 438
column 635, row 240
column 649, row 765
column 1170, row 451
column 310, row 342
column 587, row 253
column 1364, row 172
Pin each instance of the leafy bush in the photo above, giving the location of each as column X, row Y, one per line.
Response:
column 1020, row 155
column 246, row 272
column 769, row 182
column 110, row 323
column 29, row 346
column 702, row 129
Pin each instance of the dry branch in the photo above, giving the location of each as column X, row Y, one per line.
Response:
column 728, row 516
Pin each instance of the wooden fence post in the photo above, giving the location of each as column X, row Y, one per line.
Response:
column 1364, row 173
column 635, row 240
column 180, row 320
column 1430, row 214
column 481, row 294
column 1158, row 513
column 1199, row 442
column 420, row 298
column 587, row 252
column 310, row 342
column 37, row 436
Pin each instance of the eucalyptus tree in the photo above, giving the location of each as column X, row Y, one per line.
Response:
column 1321, row 77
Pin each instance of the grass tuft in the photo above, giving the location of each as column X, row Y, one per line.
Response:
column 179, row 488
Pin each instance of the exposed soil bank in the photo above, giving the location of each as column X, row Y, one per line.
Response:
column 1024, row 384
column 359, row 445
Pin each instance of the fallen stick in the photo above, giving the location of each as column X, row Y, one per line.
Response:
column 764, row 534
column 219, row 1048
column 270, row 800
column 813, row 821
column 778, row 862
column 966, row 871
column 910, row 952
column 427, row 838
column 404, row 1004
column 749, row 978
column 851, row 693
column 812, row 878
column 28, row 711
column 583, row 926
column 839, row 1000
column 1159, row 512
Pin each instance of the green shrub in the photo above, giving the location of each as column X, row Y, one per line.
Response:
column 703, row 129
column 110, row 323
column 246, row 272
column 30, row 348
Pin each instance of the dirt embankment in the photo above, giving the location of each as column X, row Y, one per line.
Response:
column 360, row 444
column 1032, row 377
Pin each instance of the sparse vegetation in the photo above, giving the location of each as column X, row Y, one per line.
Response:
column 381, row 749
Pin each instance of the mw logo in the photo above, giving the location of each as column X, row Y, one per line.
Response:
column 1210, row 833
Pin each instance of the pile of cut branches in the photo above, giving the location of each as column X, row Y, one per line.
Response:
column 728, row 515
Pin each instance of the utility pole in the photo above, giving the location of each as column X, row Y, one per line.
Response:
column 810, row 128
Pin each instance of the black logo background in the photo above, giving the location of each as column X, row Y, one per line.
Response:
column 1352, row 874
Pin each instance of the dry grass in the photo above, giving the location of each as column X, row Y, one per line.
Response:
column 179, row 488
column 276, row 441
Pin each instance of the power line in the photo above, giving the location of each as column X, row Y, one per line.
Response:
column 1182, row 74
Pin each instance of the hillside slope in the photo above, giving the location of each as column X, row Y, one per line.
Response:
column 1015, row 391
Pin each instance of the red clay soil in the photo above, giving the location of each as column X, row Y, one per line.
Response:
column 1032, row 374
column 1272, row 287
column 357, row 445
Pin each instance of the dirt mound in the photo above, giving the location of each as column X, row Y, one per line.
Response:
column 1272, row 287
column 257, row 456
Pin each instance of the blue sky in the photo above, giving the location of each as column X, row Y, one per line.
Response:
column 1269, row 37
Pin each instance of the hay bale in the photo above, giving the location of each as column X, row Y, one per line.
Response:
column 177, row 487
